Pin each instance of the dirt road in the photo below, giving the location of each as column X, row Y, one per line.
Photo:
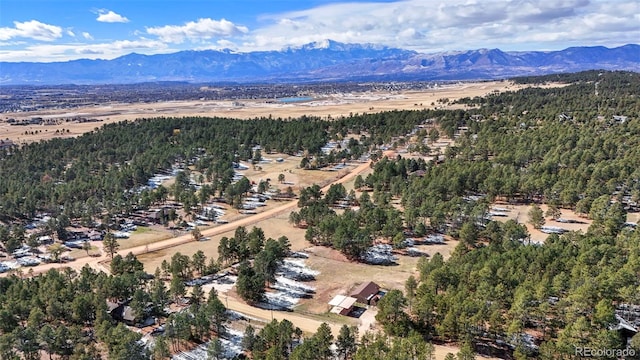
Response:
column 305, row 324
column 94, row 262
column 309, row 325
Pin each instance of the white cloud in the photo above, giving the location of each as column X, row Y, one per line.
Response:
column 33, row 29
column 454, row 24
column 64, row 52
column 12, row 43
column 226, row 44
column 427, row 26
column 71, row 33
column 203, row 29
column 109, row 16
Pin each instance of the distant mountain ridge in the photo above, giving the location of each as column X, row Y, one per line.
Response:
column 321, row 61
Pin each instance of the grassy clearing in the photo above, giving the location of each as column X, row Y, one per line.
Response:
column 141, row 230
column 145, row 236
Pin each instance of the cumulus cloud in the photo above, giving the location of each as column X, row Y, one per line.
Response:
column 426, row 26
column 203, row 29
column 109, row 16
column 454, row 24
column 33, row 29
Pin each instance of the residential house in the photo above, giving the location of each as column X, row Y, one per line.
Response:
column 367, row 293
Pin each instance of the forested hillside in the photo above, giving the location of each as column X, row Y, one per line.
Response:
column 575, row 147
column 97, row 169
column 560, row 146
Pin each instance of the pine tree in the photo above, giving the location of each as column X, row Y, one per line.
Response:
column 110, row 244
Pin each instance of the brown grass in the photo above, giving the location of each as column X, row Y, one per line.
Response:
column 520, row 213
column 339, row 275
column 333, row 105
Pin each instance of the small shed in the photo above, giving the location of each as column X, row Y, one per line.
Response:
column 342, row 304
column 625, row 329
column 367, row 293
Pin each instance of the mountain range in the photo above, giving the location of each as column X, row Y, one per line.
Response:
column 320, row 61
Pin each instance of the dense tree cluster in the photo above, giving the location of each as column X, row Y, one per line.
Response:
column 566, row 290
column 352, row 232
column 65, row 313
column 275, row 341
column 57, row 312
column 280, row 341
column 266, row 254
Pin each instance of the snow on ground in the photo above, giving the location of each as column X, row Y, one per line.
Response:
column 293, row 288
column 278, row 300
column 380, row 255
column 434, row 239
column 288, row 288
column 283, row 294
column 231, row 345
column 222, row 285
column 295, row 269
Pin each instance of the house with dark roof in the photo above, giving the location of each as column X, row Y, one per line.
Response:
column 123, row 312
column 367, row 293
column 6, row 144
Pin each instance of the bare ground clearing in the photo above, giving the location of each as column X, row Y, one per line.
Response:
column 338, row 275
column 520, row 213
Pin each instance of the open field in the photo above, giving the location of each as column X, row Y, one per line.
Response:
column 273, row 227
column 520, row 213
column 338, row 276
column 334, row 105
column 295, row 177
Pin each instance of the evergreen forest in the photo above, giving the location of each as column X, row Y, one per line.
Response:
column 575, row 146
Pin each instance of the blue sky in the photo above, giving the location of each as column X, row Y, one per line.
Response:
column 56, row 30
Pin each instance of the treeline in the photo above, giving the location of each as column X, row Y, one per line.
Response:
column 101, row 167
column 584, row 97
column 281, row 341
column 550, row 144
column 590, row 75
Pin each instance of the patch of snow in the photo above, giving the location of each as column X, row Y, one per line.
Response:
column 231, row 345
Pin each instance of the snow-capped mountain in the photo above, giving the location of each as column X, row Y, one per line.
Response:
column 321, row 61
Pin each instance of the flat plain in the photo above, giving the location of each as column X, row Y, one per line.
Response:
column 324, row 106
